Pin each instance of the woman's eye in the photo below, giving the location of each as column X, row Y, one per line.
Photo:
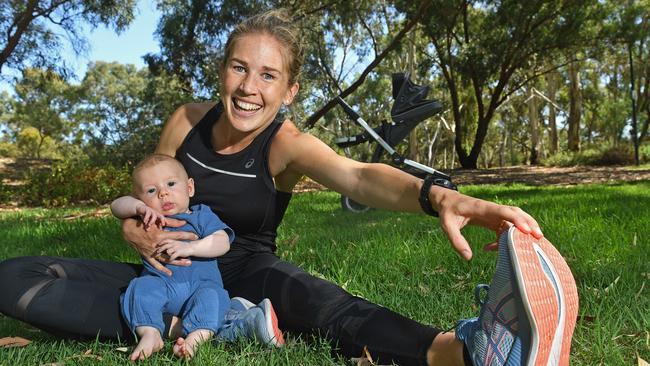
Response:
column 239, row 68
column 267, row 76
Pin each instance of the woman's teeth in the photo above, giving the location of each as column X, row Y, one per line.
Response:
column 246, row 106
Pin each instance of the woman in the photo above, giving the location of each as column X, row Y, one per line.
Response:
column 245, row 161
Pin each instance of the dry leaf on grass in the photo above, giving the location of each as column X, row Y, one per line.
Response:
column 122, row 349
column 8, row 342
column 642, row 362
column 365, row 359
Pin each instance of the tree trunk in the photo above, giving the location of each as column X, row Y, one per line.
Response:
column 533, row 121
column 551, row 82
column 575, row 107
column 635, row 134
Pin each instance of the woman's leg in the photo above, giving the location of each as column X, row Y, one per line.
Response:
column 305, row 303
column 72, row 298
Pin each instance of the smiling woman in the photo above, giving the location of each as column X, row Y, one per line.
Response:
column 245, row 160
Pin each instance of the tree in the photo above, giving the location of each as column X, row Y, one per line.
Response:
column 43, row 100
column 30, row 29
column 495, row 49
column 121, row 110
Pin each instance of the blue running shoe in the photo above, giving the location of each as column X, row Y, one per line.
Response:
column 269, row 333
column 530, row 311
column 247, row 320
column 240, row 304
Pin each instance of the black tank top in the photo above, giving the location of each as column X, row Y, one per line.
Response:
column 238, row 187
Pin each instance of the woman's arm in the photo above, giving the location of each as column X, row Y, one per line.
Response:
column 213, row 245
column 179, row 125
column 383, row 186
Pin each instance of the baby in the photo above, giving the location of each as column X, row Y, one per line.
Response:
column 195, row 293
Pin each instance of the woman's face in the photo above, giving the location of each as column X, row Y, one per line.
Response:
column 255, row 82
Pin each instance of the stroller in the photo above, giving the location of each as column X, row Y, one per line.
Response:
column 410, row 108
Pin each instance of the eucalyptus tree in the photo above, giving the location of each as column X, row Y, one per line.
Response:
column 121, row 110
column 628, row 32
column 41, row 104
column 495, row 48
column 34, row 31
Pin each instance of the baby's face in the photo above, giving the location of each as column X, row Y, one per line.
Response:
column 164, row 187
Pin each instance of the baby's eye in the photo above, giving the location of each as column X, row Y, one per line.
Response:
column 171, row 184
column 151, row 190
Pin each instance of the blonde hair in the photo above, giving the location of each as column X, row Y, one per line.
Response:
column 155, row 159
column 276, row 23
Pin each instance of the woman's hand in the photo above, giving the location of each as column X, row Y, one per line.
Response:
column 145, row 241
column 457, row 210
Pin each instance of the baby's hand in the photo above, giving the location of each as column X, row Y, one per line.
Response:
column 150, row 216
column 175, row 249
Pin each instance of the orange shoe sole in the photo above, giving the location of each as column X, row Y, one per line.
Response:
column 549, row 295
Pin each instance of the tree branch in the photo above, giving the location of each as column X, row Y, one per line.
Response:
column 424, row 4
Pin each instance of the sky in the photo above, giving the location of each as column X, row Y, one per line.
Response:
column 106, row 45
column 126, row 48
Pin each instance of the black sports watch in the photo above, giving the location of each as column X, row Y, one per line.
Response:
column 430, row 180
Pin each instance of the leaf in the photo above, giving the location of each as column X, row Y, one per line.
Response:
column 641, row 361
column 122, row 349
column 8, row 342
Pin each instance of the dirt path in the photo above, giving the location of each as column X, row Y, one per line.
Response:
column 535, row 175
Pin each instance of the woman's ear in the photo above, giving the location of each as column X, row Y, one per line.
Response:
column 190, row 187
column 291, row 93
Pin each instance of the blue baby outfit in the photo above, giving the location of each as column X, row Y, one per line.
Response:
column 194, row 293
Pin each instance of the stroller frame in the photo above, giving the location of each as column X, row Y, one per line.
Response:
column 409, row 109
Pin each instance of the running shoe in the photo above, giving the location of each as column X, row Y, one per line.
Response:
column 530, row 311
column 240, row 304
column 270, row 333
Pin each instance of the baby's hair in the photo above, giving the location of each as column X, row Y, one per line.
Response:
column 277, row 23
column 155, row 159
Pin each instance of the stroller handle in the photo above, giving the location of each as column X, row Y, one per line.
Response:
column 348, row 110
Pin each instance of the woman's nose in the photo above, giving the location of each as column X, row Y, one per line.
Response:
column 247, row 84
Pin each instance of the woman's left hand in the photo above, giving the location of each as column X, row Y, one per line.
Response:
column 457, row 210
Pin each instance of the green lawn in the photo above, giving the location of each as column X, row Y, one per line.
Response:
column 402, row 261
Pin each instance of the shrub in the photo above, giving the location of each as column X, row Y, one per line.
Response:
column 74, row 181
column 609, row 155
column 644, row 153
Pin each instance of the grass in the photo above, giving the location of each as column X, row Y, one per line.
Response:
column 402, row 261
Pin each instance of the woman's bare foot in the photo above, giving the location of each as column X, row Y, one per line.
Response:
column 185, row 347
column 150, row 342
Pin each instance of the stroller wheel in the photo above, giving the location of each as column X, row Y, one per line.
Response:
column 351, row 205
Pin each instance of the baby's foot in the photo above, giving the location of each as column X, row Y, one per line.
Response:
column 150, row 342
column 185, row 348
column 181, row 350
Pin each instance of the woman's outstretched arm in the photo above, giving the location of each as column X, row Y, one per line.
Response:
column 383, row 186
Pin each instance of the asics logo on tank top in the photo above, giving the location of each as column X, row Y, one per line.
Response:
column 220, row 170
column 249, row 163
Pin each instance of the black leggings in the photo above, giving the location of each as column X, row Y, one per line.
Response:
column 79, row 298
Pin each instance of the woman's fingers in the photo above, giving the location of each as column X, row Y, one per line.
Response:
column 458, row 241
column 157, row 265
column 181, row 262
column 522, row 220
column 177, row 235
